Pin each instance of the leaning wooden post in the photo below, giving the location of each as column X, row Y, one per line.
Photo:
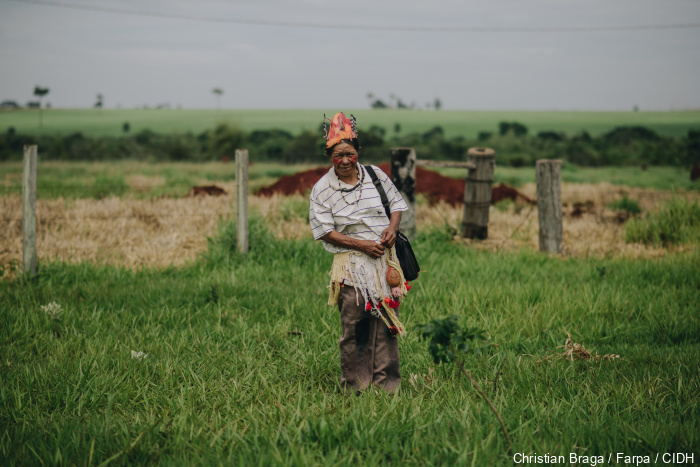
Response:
column 403, row 174
column 549, row 204
column 242, row 199
column 477, row 193
column 29, row 210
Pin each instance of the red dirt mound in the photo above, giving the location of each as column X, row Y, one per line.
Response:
column 296, row 183
column 433, row 185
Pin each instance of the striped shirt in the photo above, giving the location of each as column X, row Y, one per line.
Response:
column 363, row 219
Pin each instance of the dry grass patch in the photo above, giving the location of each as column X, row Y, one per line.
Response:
column 575, row 351
column 127, row 232
column 173, row 231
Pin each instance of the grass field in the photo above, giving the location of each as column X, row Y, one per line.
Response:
column 147, row 180
column 242, row 364
column 108, row 122
column 242, row 361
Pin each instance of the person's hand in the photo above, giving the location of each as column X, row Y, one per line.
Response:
column 388, row 237
column 371, row 249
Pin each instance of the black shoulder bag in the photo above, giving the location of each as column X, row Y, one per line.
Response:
column 404, row 252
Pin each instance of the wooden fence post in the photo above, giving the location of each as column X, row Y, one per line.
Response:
column 29, row 210
column 477, row 193
column 403, row 174
column 549, row 204
column 242, row 199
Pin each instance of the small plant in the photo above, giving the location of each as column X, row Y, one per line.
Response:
column 138, row 355
column 448, row 341
column 626, row 204
column 52, row 310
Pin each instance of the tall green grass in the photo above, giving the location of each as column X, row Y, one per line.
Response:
column 242, row 363
column 677, row 222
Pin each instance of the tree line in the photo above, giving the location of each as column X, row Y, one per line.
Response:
column 514, row 145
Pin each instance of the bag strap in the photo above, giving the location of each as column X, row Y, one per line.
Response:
column 380, row 189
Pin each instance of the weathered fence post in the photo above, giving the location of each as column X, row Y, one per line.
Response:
column 549, row 204
column 403, row 174
column 29, row 210
column 242, row 199
column 477, row 193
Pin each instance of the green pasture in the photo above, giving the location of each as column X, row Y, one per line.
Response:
column 99, row 179
column 467, row 123
column 242, row 363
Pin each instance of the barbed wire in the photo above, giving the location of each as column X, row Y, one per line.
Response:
column 336, row 25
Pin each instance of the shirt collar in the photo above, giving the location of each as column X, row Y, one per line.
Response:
column 337, row 183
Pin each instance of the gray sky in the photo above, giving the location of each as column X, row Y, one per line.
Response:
column 135, row 60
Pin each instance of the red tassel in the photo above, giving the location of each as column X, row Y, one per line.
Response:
column 393, row 330
column 368, row 306
column 393, row 304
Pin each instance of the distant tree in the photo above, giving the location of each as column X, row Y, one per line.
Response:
column 370, row 98
column 8, row 104
column 40, row 93
column 379, row 104
column 484, row 135
column 218, row 92
column 551, row 136
column 99, row 102
column 437, row 104
column 518, row 129
column 126, row 127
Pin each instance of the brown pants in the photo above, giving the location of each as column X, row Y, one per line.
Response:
column 369, row 353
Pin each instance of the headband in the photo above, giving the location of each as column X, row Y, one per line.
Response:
column 341, row 128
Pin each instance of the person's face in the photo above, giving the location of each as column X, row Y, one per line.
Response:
column 344, row 158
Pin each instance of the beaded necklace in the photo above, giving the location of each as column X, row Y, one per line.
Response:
column 348, row 190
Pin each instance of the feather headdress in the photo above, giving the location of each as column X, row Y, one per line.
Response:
column 341, row 128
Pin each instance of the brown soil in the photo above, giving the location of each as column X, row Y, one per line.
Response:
column 296, row 183
column 431, row 184
column 695, row 173
column 208, row 190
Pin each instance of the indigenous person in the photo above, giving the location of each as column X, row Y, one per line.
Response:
column 367, row 284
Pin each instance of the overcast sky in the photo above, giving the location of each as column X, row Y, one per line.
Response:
column 141, row 60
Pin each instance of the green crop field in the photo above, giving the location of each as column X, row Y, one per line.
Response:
column 108, row 122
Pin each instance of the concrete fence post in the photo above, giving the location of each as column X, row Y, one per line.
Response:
column 477, row 193
column 29, row 259
column 403, row 174
column 242, row 200
column 548, row 174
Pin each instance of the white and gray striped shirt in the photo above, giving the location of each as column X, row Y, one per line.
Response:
column 363, row 219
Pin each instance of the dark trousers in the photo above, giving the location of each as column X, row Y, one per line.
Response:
column 369, row 353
